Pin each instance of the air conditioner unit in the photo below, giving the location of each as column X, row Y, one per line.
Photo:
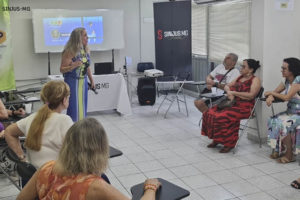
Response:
column 207, row 1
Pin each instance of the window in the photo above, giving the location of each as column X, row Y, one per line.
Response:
column 225, row 29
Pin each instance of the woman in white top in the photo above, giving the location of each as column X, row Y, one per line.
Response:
column 44, row 130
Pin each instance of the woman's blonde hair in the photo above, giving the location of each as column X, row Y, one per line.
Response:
column 85, row 148
column 53, row 94
column 74, row 43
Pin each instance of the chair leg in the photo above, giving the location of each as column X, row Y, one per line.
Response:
column 178, row 103
column 200, row 120
column 172, row 101
column 258, row 130
column 187, row 112
column 161, row 104
column 8, row 176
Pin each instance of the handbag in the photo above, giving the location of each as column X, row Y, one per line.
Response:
column 225, row 103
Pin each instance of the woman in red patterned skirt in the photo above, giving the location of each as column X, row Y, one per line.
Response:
column 223, row 125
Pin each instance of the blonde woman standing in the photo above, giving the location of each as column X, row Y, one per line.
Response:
column 44, row 130
column 75, row 64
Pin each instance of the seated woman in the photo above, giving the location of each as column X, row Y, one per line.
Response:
column 279, row 127
column 44, row 130
column 6, row 113
column 83, row 156
column 223, row 125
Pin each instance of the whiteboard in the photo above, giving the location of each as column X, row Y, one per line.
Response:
column 52, row 28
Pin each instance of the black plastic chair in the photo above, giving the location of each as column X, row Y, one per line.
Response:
column 24, row 169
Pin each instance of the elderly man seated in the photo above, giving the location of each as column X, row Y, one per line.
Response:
column 223, row 74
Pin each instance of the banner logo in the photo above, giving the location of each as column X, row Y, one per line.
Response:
column 2, row 36
column 172, row 35
column 102, row 86
column 159, row 34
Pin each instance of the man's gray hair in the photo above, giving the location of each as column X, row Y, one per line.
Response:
column 234, row 57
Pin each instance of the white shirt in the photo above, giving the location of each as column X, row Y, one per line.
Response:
column 219, row 72
column 54, row 132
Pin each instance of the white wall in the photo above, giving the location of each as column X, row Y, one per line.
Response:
column 29, row 65
column 275, row 35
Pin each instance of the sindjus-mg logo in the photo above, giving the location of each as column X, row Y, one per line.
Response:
column 2, row 36
column 172, row 35
column 159, row 34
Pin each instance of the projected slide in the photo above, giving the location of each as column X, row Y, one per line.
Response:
column 58, row 30
column 94, row 29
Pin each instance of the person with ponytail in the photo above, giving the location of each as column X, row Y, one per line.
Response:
column 44, row 130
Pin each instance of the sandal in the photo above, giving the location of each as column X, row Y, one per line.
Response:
column 225, row 149
column 274, row 155
column 284, row 160
column 295, row 184
column 212, row 145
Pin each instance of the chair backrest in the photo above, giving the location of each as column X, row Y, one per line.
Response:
column 24, row 169
column 260, row 93
column 142, row 66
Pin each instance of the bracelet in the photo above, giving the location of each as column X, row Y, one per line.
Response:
column 216, row 84
column 150, row 187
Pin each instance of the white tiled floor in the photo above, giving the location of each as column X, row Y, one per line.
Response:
column 173, row 149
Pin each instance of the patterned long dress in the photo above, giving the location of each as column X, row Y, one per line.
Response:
column 77, row 80
column 223, row 125
column 285, row 123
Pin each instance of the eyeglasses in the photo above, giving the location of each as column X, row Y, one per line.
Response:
column 284, row 68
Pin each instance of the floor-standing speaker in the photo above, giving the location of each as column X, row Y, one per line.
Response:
column 146, row 91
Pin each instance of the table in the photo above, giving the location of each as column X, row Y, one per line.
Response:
column 167, row 191
column 112, row 93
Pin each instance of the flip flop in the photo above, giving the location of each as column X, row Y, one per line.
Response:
column 295, row 184
column 284, row 160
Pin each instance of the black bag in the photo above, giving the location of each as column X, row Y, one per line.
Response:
column 141, row 67
column 225, row 103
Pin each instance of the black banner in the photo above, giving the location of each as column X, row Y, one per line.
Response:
column 172, row 26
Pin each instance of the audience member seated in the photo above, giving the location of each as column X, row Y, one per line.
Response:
column 83, row 156
column 223, row 125
column 282, row 129
column 6, row 113
column 223, row 74
column 44, row 130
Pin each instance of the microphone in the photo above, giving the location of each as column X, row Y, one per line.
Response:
column 93, row 89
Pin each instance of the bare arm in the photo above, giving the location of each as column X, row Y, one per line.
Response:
column 12, row 134
column 286, row 97
column 89, row 73
column 270, row 98
column 227, row 86
column 254, row 89
column 67, row 64
column 29, row 192
column 209, row 81
column 99, row 189
column 3, row 111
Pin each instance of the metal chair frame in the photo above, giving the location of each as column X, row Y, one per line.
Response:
column 175, row 90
